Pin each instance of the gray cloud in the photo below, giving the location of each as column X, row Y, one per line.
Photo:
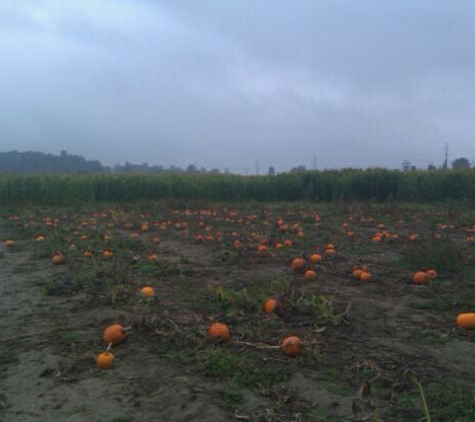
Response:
column 220, row 84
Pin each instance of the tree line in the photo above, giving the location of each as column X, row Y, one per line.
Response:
column 29, row 162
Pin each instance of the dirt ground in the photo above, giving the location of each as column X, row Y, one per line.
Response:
column 354, row 368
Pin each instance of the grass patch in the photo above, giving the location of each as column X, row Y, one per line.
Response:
column 441, row 254
column 446, row 402
column 232, row 397
column 430, row 336
column 444, row 303
column 239, row 369
column 451, row 403
column 318, row 415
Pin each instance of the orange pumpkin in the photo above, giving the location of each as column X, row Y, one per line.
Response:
column 431, row 274
column 420, row 277
column 152, row 257
column 219, row 331
column 315, row 258
column 40, row 238
column 114, row 334
column 291, row 346
column 57, row 258
column 105, row 360
column 298, row 264
column 466, row 320
column 261, row 248
column 365, row 276
column 269, row 305
column 356, row 273
column 107, row 253
column 9, row 242
column 309, row 275
column 147, row 291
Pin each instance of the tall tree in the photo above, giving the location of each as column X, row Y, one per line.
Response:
column 461, row 163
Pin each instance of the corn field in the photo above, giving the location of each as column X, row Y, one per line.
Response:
column 331, row 185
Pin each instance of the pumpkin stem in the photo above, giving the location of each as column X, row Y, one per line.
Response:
column 108, row 347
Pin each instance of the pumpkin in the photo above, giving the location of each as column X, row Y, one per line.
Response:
column 365, row 276
column 309, row 275
column 273, row 306
column 147, row 291
column 107, row 253
column 57, row 258
column 87, row 253
column 261, row 248
column 288, row 242
column 315, row 258
column 291, row 346
column 114, row 334
column 298, row 264
column 356, row 273
column 105, row 360
column 40, row 238
column 9, row 242
column 219, row 331
column 420, row 277
column 152, row 257
column 431, row 274
column 466, row 320
column 269, row 305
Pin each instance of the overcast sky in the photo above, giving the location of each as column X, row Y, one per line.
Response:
column 222, row 84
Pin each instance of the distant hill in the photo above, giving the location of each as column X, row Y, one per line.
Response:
column 30, row 162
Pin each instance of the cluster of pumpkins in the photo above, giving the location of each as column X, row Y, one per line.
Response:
column 290, row 345
column 115, row 334
column 112, row 335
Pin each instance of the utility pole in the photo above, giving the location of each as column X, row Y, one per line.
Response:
column 446, row 156
column 314, row 162
column 257, row 166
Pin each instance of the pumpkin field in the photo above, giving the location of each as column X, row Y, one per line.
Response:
column 205, row 310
